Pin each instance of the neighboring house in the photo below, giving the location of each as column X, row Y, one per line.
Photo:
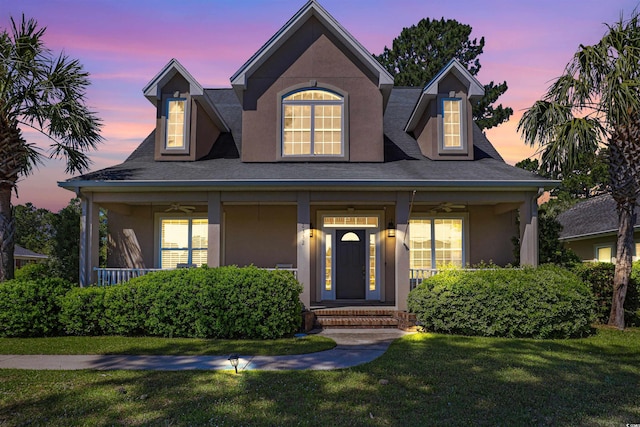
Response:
column 313, row 161
column 22, row 257
column 590, row 229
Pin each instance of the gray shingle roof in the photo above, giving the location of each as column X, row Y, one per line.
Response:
column 20, row 252
column 593, row 216
column 403, row 160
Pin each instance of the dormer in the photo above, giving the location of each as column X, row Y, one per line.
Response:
column 312, row 93
column 187, row 121
column 442, row 120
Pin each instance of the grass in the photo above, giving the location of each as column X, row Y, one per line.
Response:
column 163, row 346
column 430, row 380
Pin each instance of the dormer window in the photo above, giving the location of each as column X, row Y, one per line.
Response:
column 313, row 124
column 452, row 123
column 176, row 124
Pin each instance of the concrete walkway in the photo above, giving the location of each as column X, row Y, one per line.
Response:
column 354, row 347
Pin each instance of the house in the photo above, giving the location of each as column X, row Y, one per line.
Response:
column 22, row 257
column 590, row 229
column 312, row 160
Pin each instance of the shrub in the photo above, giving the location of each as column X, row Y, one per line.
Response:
column 33, row 271
column 30, row 308
column 545, row 302
column 83, row 311
column 225, row 302
column 599, row 277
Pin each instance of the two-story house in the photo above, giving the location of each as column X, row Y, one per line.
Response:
column 312, row 160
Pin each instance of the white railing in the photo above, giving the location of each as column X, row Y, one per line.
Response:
column 113, row 276
column 417, row 275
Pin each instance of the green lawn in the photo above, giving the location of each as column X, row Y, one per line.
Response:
column 163, row 346
column 432, row 380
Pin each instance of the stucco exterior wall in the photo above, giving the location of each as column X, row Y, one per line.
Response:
column 490, row 235
column 131, row 238
column 262, row 235
column 586, row 248
column 312, row 57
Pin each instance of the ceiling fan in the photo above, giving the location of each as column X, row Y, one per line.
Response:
column 446, row 207
column 179, row 207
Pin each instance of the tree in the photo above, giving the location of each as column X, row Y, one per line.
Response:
column 65, row 248
column 597, row 101
column 422, row 50
column 44, row 92
column 33, row 227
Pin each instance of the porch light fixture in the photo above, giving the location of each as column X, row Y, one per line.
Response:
column 311, row 230
column 391, row 229
column 233, row 359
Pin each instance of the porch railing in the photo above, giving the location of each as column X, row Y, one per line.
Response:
column 417, row 275
column 113, row 276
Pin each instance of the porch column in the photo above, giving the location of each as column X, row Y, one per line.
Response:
column 303, row 263
column 89, row 240
column 529, row 230
column 214, row 235
column 402, row 249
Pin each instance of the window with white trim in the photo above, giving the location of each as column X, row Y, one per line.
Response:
column 312, row 123
column 176, row 124
column 183, row 241
column 435, row 243
column 452, row 134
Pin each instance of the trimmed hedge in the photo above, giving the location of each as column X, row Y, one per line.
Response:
column 30, row 308
column 544, row 302
column 599, row 277
column 225, row 302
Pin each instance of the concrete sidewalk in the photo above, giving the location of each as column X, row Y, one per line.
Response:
column 354, row 347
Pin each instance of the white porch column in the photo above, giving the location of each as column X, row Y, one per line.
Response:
column 402, row 251
column 529, row 230
column 214, row 236
column 303, row 263
column 89, row 240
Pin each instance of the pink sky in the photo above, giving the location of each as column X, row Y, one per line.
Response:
column 124, row 44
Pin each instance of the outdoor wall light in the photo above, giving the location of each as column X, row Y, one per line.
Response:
column 311, row 230
column 391, row 229
column 233, row 359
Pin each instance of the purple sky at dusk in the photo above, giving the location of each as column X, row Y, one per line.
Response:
column 124, row 44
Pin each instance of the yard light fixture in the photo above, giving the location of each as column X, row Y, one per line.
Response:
column 233, row 359
column 391, row 229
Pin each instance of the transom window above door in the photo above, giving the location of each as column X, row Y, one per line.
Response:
column 313, row 124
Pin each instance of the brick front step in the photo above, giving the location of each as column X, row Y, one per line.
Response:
column 356, row 322
column 328, row 318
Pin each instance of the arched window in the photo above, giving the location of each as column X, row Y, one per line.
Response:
column 312, row 123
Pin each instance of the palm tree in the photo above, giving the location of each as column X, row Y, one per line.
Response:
column 595, row 103
column 46, row 93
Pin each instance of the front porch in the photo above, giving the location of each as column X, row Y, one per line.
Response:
column 366, row 246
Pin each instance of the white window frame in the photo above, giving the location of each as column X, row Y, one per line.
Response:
column 463, row 148
column 344, row 102
column 185, row 133
column 378, row 234
column 159, row 217
column 464, row 216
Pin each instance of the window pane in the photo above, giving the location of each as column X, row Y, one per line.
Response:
column 448, row 234
column 199, row 233
column 372, row 262
column 327, row 263
column 604, row 254
column 175, row 233
column 171, row 258
column 420, row 244
column 199, row 257
column 175, row 123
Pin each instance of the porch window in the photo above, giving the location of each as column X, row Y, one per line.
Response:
column 312, row 123
column 435, row 243
column 183, row 241
column 176, row 124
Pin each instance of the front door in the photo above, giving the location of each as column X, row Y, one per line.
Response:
column 350, row 264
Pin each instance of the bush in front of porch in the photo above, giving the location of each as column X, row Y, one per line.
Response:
column 543, row 302
column 224, row 302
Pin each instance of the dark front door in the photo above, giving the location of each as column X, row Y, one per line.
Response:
column 350, row 264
